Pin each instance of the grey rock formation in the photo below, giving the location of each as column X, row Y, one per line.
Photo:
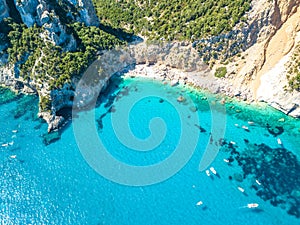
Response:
column 27, row 10
column 4, row 11
column 45, row 14
column 7, row 76
column 87, row 13
column 54, row 122
column 62, row 98
column 38, row 11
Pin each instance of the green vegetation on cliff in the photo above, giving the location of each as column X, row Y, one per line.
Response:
column 44, row 62
column 172, row 19
column 220, row 72
column 294, row 70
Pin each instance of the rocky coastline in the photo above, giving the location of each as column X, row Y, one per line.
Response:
column 257, row 72
column 173, row 62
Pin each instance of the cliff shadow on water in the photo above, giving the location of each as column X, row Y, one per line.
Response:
column 106, row 98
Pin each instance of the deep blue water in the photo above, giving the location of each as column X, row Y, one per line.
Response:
column 54, row 184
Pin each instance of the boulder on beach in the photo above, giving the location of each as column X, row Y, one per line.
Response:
column 174, row 83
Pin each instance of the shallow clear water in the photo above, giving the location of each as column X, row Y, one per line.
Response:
column 54, row 184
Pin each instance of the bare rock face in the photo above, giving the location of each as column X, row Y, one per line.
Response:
column 176, row 55
column 56, row 33
column 260, row 74
column 38, row 11
column 4, row 12
column 271, row 80
column 43, row 13
column 54, row 122
column 88, row 13
column 27, row 10
column 52, row 18
column 283, row 10
column 62, row 98
column 272, row 91
column 7, row 75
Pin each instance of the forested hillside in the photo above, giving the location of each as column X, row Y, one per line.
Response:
column 175, row 19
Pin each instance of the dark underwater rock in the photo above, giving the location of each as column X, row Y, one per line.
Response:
column 275, row 131
column 202, row 130
column 278, row 171
column 238, row 177
column 51, row 137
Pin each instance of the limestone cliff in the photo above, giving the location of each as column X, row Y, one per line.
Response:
column 4, row 11
column 260, row 72
column 53, row 17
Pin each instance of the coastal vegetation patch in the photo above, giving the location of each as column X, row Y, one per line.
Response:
column 221, row 72
column 293, row 74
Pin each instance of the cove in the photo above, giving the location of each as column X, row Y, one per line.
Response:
column 53, row 184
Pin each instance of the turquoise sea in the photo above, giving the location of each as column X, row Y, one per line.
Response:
column 66, row 183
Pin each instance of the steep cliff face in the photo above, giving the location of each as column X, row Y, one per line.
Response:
column 27, row 10
column 87, row 12
column 270, row 83
column 53, row 17
column 4, row 11
column 40, row 11
column 260, row 72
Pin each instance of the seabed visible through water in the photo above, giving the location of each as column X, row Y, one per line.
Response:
column 53, row 184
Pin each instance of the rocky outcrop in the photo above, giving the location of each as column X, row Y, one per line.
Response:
column 54, row 122
column 27, row 10
column 87, row 13
column 4, row 11
column 41, row 11
column 52, row 16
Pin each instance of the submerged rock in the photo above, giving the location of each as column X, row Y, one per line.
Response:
column 193, row 109
column 181, row 99
column 238, row 177
column 51, row 137
column 277, row 170
column 275, row 131
column 202, row 130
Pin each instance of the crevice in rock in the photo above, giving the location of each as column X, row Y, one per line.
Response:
column 13, row 12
